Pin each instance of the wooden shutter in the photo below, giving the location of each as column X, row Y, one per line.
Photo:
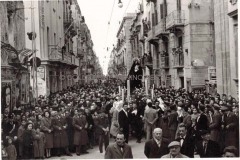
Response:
column 153, row 20
column 161, row 11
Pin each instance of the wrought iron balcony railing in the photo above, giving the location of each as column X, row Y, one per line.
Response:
column 147, row 60
column 174, row 19
column 164, row 61
column 160, row 28
column 178, row 60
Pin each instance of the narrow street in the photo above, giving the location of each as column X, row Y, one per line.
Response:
column 74, row 71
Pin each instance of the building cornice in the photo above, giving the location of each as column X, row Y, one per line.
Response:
column 122, row 23
column 233, row 13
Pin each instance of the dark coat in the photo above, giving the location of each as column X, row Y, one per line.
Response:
column 187, row 121
column 101, row 122
column 38, row 145
column 124, row 122
column 173, row 124
column 151, row 149
column 114, row 152
column 215, row 126
column 188, row 145
column 60, row 138
column 28, row 144
column 80, row 132
column 202, row 123
column 20, row 139
column 213, row 149
column 90, row 122
column 230, row 133
column 173, row 121
column 46, row 124
column 70, row 129
column 164, row 126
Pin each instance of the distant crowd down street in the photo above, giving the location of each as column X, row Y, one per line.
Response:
column 174, row 122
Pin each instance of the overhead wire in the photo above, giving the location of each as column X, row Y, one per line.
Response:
column 109, row 22
column 127, row 7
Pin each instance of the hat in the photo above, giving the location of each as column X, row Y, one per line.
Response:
column 224, row 108
column 203, row 132
column 174, row 143
column 216, row 106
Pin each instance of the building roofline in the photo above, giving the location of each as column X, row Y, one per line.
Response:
column 128, row 16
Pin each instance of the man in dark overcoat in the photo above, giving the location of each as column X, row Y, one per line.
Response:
column 119, row 150
column 80, row 125
column 157, row 146
column 60, row 138
column 123, row 120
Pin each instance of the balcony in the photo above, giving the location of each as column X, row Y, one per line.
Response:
column 147, row 60
column 73, row 30
column 233, row 8
column 55, row 54
column 67, row 21
column 165, row 62
column 67, row 58
column 178, row 60
column 154, row 1
column 175, row 19
column 152, row 36
column 160, row 28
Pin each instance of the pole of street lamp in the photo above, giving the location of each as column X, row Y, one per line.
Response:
column 34, row 68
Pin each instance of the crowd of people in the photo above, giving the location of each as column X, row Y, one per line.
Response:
column 75, row 120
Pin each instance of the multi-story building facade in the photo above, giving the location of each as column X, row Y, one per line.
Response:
column 59, row 43
column 15, row 84
column 89, row 64
column 226, row 42
column 123, row 46
column 112, row 67
column 233, row 42
column 181, row 42
column 175, row 40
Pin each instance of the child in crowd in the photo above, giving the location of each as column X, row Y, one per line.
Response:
column 11, row 150
column 4, row 153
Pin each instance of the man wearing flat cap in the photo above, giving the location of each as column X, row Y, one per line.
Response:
column 174, row 151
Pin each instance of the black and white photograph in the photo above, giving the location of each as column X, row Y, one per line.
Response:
column 119, row 79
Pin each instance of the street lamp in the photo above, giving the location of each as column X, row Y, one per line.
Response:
column 120, row 5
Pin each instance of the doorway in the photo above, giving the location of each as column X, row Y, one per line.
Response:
column 181, row 82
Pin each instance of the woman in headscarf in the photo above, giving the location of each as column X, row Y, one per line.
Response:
column 115, row 125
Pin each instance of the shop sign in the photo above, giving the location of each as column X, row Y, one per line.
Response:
column 41, row 72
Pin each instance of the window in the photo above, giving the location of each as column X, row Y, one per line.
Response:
column 236, row 47
column 178, row 5
column 168, row 81
column 48, row 39
column 161, row 11
column 153, row 19
column 55, row 40
column 165, row 8
column 180, row 44
column 156, row 17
